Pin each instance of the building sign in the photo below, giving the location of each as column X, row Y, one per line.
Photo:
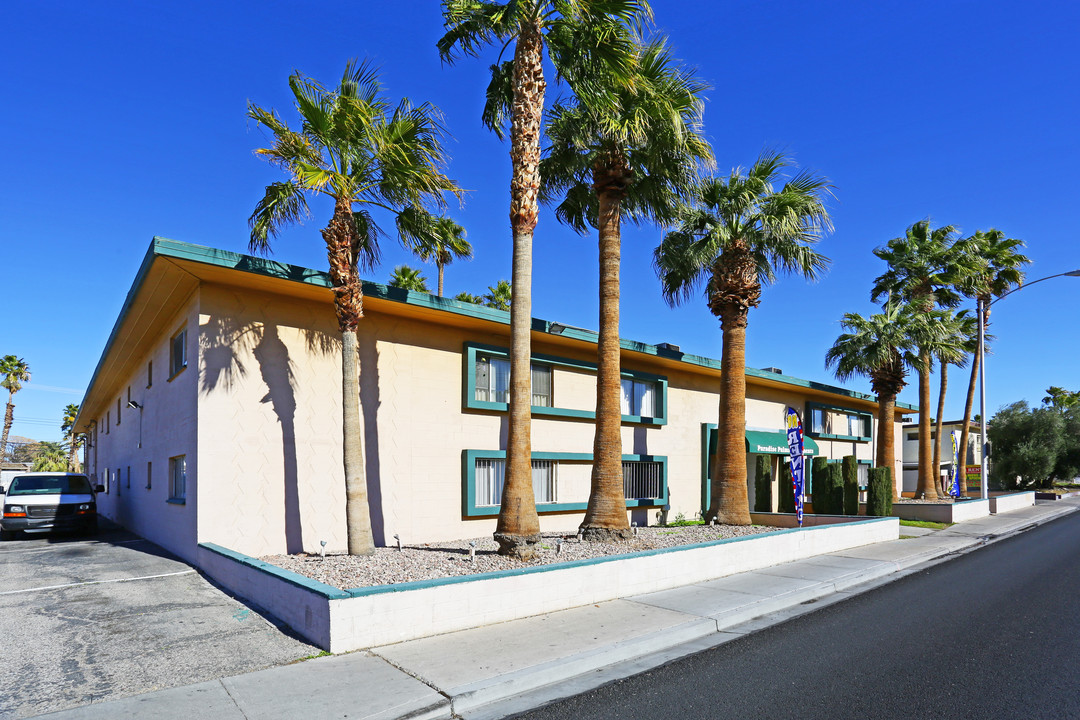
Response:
column 798, row 466
column 777, row 450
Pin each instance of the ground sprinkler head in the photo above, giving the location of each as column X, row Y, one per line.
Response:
column 398, row 538
column 322, row 551
column 558, row 545
column 472, row 551
column 634, row 525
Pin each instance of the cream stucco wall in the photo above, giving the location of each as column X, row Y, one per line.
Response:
column 166, row 427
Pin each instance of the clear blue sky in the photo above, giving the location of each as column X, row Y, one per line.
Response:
column 127, row 120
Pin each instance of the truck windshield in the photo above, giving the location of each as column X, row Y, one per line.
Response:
column 49, row 485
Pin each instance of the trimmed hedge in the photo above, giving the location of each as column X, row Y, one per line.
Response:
column 787, row 492
column 851, row 485
column 819, row 466
column 879, row 492
column 763, row 484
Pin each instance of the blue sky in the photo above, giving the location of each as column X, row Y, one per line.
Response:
column 127, row 120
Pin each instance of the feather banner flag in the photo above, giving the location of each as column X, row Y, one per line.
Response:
column 798, row 464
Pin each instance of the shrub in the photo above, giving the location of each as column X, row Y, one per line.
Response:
column 879, row 492
column 834, row 481
column 787, row 492
column 819, row 466
column 763, row 484
column 851, row 485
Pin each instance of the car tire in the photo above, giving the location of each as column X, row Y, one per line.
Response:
column 92, row 527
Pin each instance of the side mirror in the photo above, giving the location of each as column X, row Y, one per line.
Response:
column 3, row 490
column 99, row 488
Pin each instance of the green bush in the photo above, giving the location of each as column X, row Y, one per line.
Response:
column 819, row 466
column 763, row 484
column 787, row 492
column 879, row 492
column 851, row 485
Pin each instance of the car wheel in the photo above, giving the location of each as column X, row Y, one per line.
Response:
column 92, row 527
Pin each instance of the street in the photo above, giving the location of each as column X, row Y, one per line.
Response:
column 991, row 634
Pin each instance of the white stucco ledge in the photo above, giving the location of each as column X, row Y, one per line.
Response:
column 942, row 512
column 1011, row 501
column 345, row 620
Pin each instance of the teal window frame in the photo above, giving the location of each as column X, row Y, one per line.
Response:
column 470, row 402
column 469, row 508
column 810, row 406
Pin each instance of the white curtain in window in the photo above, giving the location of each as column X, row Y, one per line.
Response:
column 483, row 379
column 543, row 480
column 489, row 482
column 627, row 400
column 541, row 385
column 645, row 399
column 501, row 370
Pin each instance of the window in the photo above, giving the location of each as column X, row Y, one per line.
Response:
column 490, row 475
column 638, row 398
column 837, row 422
column 177, row 479
column 108, row 421
column 117, row 411
column 177, row 353
column 642, row 479
column 129, row 477
column 118, row 484
column 149, row 473
column 150, row 373
column 493, row 381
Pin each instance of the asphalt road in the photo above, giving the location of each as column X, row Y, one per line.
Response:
column 991, row 634
column 85, row 619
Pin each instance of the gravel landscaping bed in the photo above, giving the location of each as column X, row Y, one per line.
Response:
column 388, row 566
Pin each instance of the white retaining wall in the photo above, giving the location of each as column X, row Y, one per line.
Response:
column 1012, row 501
column 942, row 512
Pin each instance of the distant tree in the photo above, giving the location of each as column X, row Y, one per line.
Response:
column 434, row 239
column 1027, row 443
column 469, row 298
column 498, row 296
column 50, row 457
column 1067, row 467
column 408, row 278
column 72, row 439
column 13, row 373
column 1060, row 398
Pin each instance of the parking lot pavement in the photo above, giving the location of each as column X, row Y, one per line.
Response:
column 84, row 619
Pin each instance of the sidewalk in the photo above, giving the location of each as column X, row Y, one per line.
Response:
column 493, row 671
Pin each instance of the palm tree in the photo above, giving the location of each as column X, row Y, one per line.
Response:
column 71, row 438
column 585, row 39
column 469, row 298
column 633, row 152
column 355, row 149
column 958, row 338
column 881, row 347
column 408, row 278
column 15, row 372
column 49, row 457
column 499, row 296
column 738, row 233
column 434, row 239
column 922, row 271
column 996, row 267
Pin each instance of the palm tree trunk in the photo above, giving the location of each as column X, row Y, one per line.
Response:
column 937, row 424
column 9, row 418
column 728, row 501
column 342, row 247
column 886, row 447
column 605, row 517
column 518, row 528
column 927, row 487
column 440, row 266
column 965, row 428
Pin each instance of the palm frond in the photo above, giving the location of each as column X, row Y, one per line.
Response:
column 282, row 204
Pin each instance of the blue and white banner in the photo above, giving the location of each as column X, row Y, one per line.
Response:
column 954, row 490
column 798, row 468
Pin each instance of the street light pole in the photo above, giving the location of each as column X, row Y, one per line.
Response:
column 983, row 420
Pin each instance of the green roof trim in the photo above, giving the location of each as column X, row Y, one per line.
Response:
column 164, row 247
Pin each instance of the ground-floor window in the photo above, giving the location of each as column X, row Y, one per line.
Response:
column 177, row 478
column 490, row 474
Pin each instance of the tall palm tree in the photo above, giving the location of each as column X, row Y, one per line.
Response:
column 499, row 296
column 633, row 152
column 738, row 233
column 996, row 267
column 15, row 372
column 881, row 347
column 71, row 438
column 434, row 239
column 469, row 298
column 408, row 278
column 922, row 271
column 584, row 39
column 356, row 150
column 49, row 457
column 958, row 337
